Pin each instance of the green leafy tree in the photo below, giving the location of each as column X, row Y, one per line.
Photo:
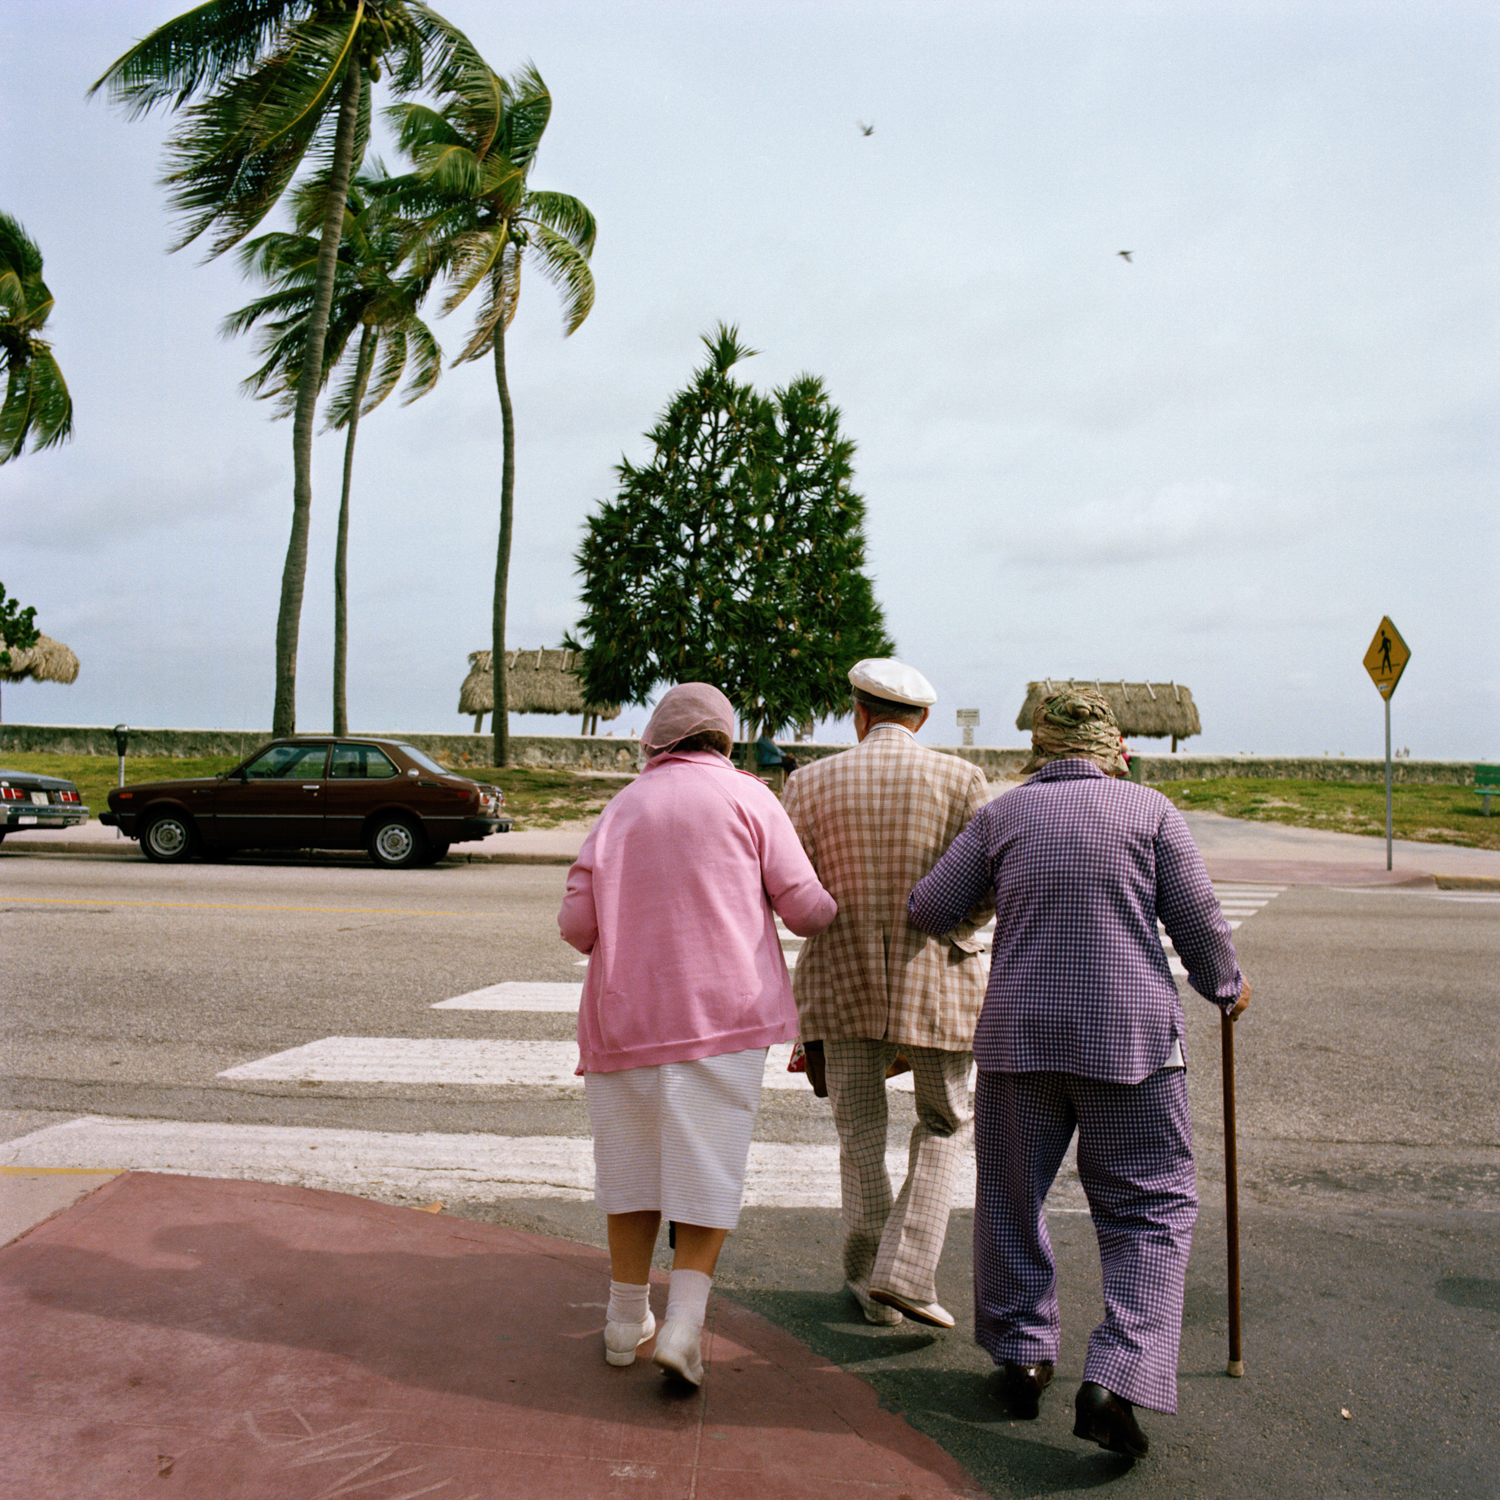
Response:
column 258, row 85
column 18, row 630
column 37, row 404
column 480, row 224
column 736, row 556
column 374, row 333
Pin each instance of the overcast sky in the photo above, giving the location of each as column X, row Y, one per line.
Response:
column 1220, row 462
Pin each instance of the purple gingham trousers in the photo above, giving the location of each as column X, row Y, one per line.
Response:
column 1135, row 1160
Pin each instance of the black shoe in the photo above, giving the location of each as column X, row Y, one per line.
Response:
column 1021, row 1386
column 1109, row 1420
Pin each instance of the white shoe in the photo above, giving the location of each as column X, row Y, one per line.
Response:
column 933, row 1313
column 679, row 1351
column 884, row 1317
column 621, row 1340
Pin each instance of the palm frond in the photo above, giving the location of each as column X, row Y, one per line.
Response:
column 235, row 190
column 565, row 214
column 38, row 408
column 426, row 360
column 501, row 292
column 470, row 259
column 528, row 109
column 301, row 79
column 19, row 254
column 565, row 266
column 198, row 50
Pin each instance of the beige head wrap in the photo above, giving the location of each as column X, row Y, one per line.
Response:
column 688, row 708
column 1076, row 724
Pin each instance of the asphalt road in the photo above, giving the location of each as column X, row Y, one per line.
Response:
column 1369, row 1123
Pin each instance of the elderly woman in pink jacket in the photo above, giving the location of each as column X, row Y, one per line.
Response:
column 674, row 898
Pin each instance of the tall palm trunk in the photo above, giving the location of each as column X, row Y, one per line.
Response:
column 294, row 571
column 341, row 554
column 501, row 725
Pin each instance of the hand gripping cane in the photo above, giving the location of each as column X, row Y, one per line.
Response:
column 1231, row 1199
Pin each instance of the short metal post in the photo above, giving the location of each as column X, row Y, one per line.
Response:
column 1387, row 781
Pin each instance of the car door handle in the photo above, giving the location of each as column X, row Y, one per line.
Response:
column 315, row 787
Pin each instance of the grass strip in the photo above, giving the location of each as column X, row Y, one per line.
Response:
column 1423, row 813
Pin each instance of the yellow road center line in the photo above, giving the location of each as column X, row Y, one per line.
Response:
column 371, row 911
column 61, row 1171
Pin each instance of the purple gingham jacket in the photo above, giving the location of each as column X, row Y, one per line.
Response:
column 1081, row 867
column 873, row 820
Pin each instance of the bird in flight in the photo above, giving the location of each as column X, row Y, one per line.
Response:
column 865, row 129
column 1126, row 254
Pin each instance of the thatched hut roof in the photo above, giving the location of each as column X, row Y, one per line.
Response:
column 536, row 682
column 47, row 661
column 1145, row 710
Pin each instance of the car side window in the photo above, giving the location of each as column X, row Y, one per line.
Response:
column 308, row 762
column 363, row 762
column 275, row 762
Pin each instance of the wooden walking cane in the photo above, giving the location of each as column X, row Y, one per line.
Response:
column 1236, row 1366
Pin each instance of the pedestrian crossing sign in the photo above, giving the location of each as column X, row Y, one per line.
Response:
column 1387, row 657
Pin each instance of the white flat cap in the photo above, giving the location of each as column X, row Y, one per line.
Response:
column 885, row 677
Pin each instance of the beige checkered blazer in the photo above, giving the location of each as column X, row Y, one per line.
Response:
column 874, row 820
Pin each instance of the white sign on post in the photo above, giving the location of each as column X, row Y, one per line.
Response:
column 968, row 721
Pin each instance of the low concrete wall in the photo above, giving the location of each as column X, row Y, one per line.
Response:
column 605, row 752
column 1151, row 768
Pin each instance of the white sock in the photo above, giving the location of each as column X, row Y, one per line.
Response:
column 687, row 1299
column 628, row 1304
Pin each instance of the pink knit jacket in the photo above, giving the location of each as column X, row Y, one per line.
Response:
column 672, row 899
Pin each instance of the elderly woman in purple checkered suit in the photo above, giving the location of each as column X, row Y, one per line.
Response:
column 1083, row 1030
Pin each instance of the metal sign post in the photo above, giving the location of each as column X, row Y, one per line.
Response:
column 1385, row 661
column 968, row 721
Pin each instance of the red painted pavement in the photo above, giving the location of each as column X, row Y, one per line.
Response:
column 222, row 1340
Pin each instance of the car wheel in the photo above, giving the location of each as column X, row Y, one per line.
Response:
column 169, row 838
column 396, row 843
column 434, row 853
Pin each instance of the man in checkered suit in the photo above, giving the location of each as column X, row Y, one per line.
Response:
column 874, row 820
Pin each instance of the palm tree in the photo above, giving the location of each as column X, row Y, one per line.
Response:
column 371, row 296
column 259, row 84
column 37, row 404
column 479, row 222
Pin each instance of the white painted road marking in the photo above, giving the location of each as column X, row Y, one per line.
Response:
column 456, row 1062
column 431, row 1165
column 1235, row 901
column 519, row 994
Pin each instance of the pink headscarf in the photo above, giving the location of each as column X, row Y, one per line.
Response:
column 688, row 708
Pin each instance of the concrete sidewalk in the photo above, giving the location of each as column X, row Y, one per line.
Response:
column 1233, row 849
column 265, row 1343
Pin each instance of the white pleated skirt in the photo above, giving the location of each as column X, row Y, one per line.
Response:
column 676, row 1137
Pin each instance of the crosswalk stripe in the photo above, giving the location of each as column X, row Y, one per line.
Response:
column 431, row 1165
column 1237, row 902
column 457, row 1062
column 516, row 994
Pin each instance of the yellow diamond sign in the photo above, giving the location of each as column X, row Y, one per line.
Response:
column 1387, row 657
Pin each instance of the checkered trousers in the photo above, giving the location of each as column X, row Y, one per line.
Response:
column 874, row 820
column 896, row 1245
column 1135, row 1160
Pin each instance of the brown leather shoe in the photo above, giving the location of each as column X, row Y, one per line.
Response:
column 1109, row 1420
column 1021, row 1386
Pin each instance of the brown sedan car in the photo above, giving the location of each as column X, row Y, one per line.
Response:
column 383, row 796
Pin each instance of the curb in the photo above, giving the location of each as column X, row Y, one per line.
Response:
column 128, row 849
